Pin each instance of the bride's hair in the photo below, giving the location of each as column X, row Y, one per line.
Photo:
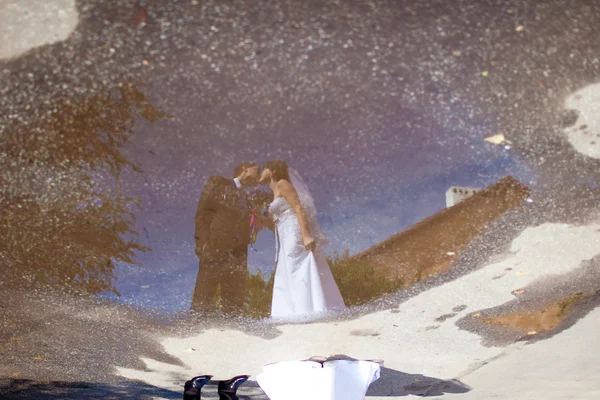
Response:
column 279, row 169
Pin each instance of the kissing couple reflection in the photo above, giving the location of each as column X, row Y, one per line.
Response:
column 228, row 219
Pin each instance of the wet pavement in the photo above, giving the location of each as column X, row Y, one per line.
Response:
column 115, row 114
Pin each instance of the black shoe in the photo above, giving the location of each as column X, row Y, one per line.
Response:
column 228, row 389
column 192, row 388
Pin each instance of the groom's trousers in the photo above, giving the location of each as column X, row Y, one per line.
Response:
column 226, row 268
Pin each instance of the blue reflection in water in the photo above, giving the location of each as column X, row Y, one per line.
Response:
column 356, row 222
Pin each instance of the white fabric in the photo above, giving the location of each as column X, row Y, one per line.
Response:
column 304, row 285
column 332, row 380
column 309, row 207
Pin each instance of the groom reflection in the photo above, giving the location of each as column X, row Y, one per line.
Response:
column 222, row 237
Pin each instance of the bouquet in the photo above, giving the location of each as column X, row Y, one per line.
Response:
column 259, row 201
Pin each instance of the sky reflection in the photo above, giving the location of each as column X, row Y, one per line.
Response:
column 363, row 204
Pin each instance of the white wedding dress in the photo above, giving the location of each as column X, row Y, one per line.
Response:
column 304, row 287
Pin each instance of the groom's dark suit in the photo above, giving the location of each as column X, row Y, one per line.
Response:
column 222, row 237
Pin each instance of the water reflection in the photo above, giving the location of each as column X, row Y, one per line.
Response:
column 65, row 220
column 305, row 282
column 74, row 193
column 429, row 247
column 378, row 155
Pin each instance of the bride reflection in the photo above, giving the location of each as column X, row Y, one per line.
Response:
column 303, row 285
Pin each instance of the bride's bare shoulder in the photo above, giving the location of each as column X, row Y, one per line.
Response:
column 283, row 184
column 286, row 189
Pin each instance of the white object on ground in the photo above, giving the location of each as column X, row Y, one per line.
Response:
column 497, row 139
column 331, row 380
column 584, row 135
column 26, row 24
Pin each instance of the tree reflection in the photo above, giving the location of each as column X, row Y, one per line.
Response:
column 259, row 293
column 358, row 281
column 60, row 227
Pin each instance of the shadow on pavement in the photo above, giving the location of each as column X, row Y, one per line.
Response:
column 29, row 389
column 396, row 384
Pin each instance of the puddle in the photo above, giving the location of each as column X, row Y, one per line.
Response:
column 111, row 190
column 155, row 141
column 540, row 310
column 538, row 321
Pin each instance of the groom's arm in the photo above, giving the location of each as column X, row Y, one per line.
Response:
column 265, row 220
column 207, row 208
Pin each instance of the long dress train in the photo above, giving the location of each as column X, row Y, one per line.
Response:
column 304, row 285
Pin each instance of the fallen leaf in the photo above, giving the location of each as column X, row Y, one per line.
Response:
column 484, row 73
column 531, row 333
column 520, row 28
column 451, row 253
column 518, row 292
column 519, row 273
column 496, row 139
column 140, row 17
column 145, row 62
column 39, row 358
column 16, row 339
column 15, row 374
column 477, row 314
column 192, row 349
column 456, row 53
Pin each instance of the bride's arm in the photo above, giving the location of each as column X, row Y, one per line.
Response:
column 291, row 196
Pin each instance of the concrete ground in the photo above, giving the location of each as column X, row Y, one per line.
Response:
column 419, row 346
